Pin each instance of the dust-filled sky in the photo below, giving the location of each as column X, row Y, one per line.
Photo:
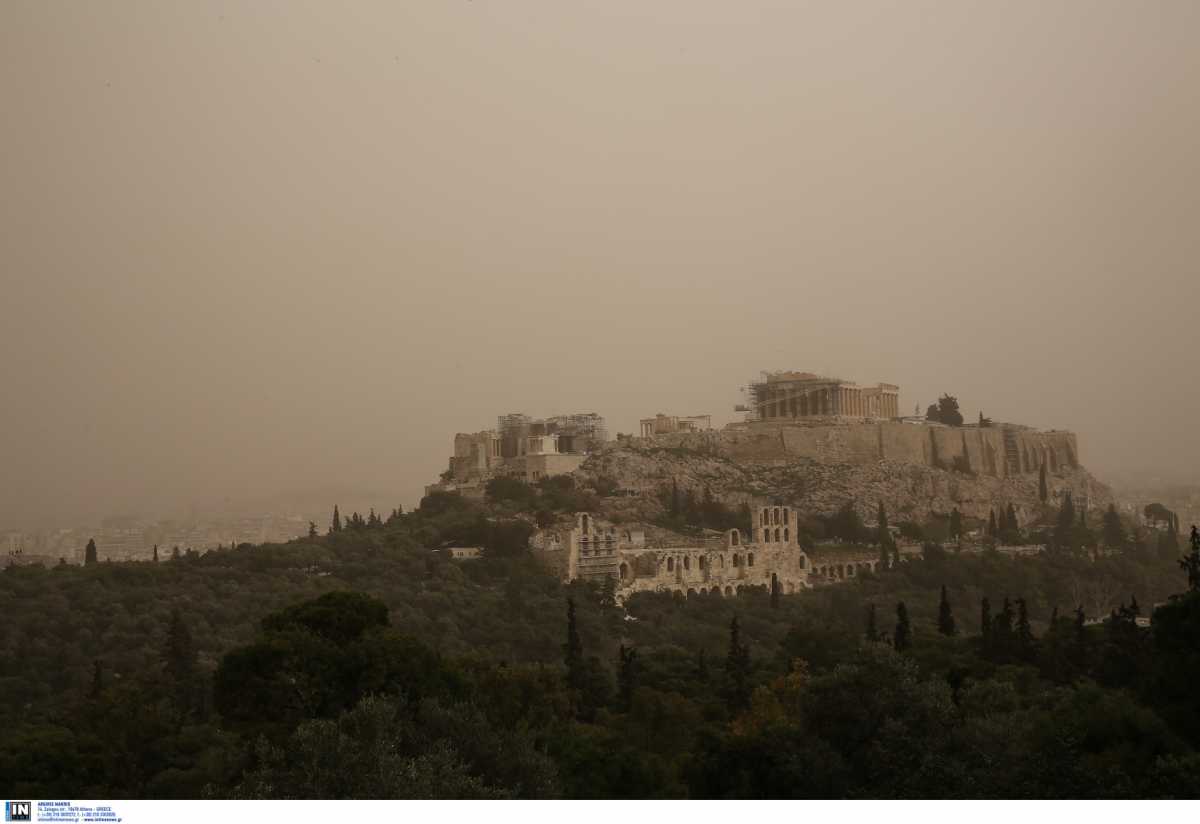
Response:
column 259, row 247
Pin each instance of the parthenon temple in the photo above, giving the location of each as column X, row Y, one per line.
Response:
column 782, row 395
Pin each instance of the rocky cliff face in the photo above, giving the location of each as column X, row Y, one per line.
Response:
column 913, row 470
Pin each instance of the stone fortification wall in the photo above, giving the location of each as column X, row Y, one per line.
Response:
column 998, row 451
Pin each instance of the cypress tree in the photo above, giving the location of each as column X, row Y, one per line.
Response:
column 737, row 668
column 573, row 650
column 872, row 625
column 626, row 676
column 956, row 524
column 1190, row 563
column 156, row 553
column 1002, row 629
column 1013, row 526
column 885, row 534
column 776, row 591
column 89, row 552
column 1080, row 636
column 180, row 660
column 992, row 529
column 1024, row 631
column 97, row 678
column 175, row 553
column 336, row 524
column 1043, row 492
column 1113, row 530
column 985, row 622
column 903, row 637
column 945, row 615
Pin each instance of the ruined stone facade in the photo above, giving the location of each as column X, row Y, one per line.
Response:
column 771, row 556
column 662, row 424
column 782, row 396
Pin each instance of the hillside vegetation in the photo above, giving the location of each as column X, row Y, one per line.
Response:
column 361, row 664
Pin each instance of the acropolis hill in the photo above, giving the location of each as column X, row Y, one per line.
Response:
column 810, row 441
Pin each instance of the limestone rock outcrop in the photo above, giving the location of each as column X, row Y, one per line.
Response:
column 913, row 470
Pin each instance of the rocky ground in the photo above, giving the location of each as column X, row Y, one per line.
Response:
column 909, row 491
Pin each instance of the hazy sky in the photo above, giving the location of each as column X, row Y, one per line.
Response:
column 249, row 247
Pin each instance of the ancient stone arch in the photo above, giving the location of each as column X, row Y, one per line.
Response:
column 670, row 565
column 735, row 537
column 691, row 593
column 728, row 592
column 623, row 571
column 786, row 535
column 750, row 559
column 687, row 561
column 776, row 534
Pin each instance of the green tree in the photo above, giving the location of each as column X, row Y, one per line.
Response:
column 1025, row 639
column 992, row 528
column 737, row 669
column 156, row 553
column 902, row 639
column 945, row 615
column 608, row 592
column 948, row 412
column 573, row 650
column 1012, row 528
column 1002, row 640
column 336, row 524
column 1064, row 531
column 872, row 624
column 884, row 534
column 627, row 676
column 956, row 526
column 179, row 654
column 1113, row 529
column 89, row 552
column 1190, row 563
column 985, row 623
column 97, row 679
